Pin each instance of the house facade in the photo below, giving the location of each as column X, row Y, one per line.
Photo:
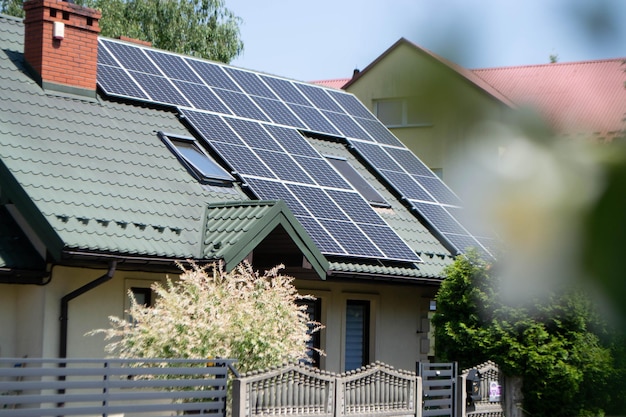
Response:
column 119, row 161
column 434, row 105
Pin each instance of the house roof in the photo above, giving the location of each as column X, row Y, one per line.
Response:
column 234, row 229
column 91, row 176
column 463, row 72
column 574, row 96
column 337, row 83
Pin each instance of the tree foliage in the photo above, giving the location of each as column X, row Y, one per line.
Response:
column 209, row 314
column 202, row 28
column 554, row 343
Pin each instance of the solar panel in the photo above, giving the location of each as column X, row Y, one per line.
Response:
column 406, row 185
column 116, row 81
column 438, row 190
column 347, row 125
column 319, row 204
column 160, row 89
column 314, row 119
column 351, row 104
column 131, row 57
column 373, row 152
column 284, row 166
column 213, row 75
column 250, row 83
column 271, row 155
column 201, row 97
column 409, row 162
column 322, row 238
column 243, row 160
column 212, row 127
column 359, row 209
column 105, row 58
column 379, row 132
column 241, row 105
column 271, row 190
column 254, row 135
column 319, row 97
column 293, row 141
column 285, row 90
column 173, row 66
column 278, row 112
column 320, row 171
column 352, row 239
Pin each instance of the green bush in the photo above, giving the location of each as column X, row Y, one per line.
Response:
column 552, row 342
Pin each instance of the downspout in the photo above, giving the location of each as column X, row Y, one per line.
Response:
column 77, row 292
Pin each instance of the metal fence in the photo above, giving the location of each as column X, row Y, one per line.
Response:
column 299, row 390
column 113, row 387
column 491, row 401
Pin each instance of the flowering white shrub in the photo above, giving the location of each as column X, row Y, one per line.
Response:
column 210, row 313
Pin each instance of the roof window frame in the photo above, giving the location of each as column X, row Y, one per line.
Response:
column 219, row 175
column 360, row 185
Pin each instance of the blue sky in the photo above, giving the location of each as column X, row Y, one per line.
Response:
column 324, row 39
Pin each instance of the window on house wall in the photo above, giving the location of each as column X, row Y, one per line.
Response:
column 196, row 160
column 358, row 182
column 142, row 295
column 314, row 312
column 402, row 112
column 357, row 337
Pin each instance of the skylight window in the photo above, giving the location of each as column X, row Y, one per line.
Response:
column 358, row 182
column 199, row 164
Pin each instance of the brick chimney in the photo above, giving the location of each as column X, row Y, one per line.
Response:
column 61, row 45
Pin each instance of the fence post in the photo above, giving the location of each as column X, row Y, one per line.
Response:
column 461, row 396
column 418, row 396
column 513, row 396
column 239, row 397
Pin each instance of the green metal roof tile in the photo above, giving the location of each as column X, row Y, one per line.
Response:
column 86, row 161
column 232, row 230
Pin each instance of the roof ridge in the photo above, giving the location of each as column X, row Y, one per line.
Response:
column 553, row 64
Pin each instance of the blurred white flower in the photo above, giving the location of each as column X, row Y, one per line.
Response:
column 533, row 196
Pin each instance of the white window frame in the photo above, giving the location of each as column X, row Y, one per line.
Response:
column 404, row 105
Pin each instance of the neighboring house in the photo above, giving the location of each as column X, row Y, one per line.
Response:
column 433, row 105
column 118, row 160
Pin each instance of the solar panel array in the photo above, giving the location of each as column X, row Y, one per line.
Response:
column 252, row 121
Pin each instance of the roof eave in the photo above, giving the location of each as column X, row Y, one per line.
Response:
column 14, row 193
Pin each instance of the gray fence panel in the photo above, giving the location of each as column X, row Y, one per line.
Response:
column 103, row 387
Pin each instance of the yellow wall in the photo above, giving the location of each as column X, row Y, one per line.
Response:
column 30, row 316
column 452, row 104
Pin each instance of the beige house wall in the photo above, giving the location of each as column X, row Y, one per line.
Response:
column 30, row 316
column 452, row 107
column 399, row 321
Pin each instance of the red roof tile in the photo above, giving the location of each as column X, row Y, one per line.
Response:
column 574, row 97
column 337, row 83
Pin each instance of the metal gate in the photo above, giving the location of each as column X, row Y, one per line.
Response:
column 438, row 387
